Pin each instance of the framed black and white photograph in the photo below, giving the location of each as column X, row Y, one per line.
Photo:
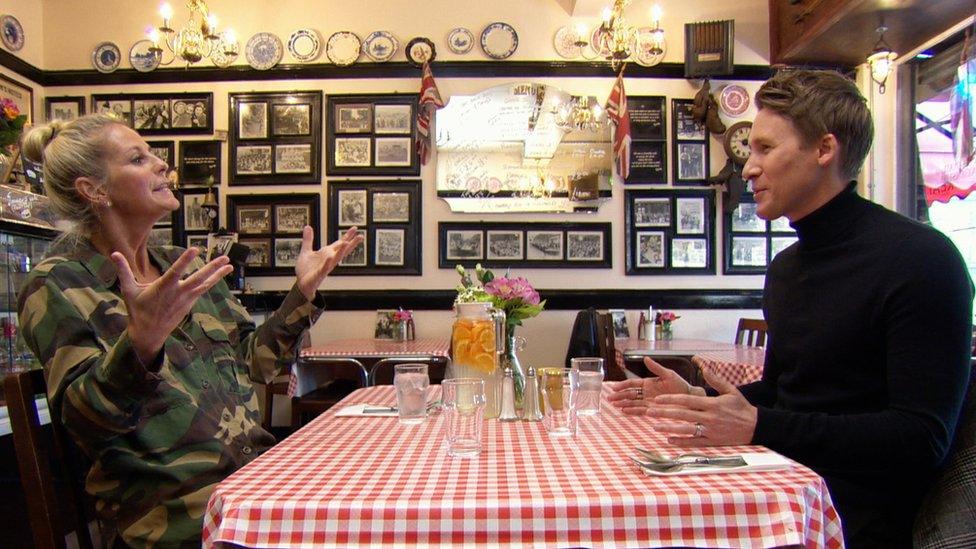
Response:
column 195, row 217
column 652, row 212
column 254, row 219
column 352, row 208
column 544, row 245
column 513, row 244
column 689, row 253
column 647, row 116
column 354, row 118
column 656, row 219
column 391, row 207
column 199, row 162
column 219, row 244
column 465, row 245
column 504, row 244
column 275, row 138
column 650, row 249
column 293, row 158
column 691, row 162
column 160, row 236
column 393, row 151
column 691, row 215
column 686, row 128
column 253, row 160
column 164, row 150
column 357, row 257
column 389, row 245
column 65, row 108
column 352, row 152
column 181, row 114
column 384, row 327
column 119, row 109
column 584, row 246
column 779, row 243
column 197, row 241
column 291, row 119
column 780, row 225
column 372, row 135
column 393, row 119
column 292, row 218
column 151, row 114
column 286, row 251
column 389, row 215
column 252, row 120
column 744, row 219
column 619, row 319
column 749, row 251
column 259, row 254
column 648, row 160
column 191, row 219
column 160, row 113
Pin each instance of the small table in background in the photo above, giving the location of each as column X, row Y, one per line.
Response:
column 738, row 366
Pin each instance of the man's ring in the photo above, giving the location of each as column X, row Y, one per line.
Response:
column 699, row 429
column 639, row 395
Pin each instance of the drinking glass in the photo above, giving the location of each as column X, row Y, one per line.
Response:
column 587, row 379
column 557, row 391
column 411, row 382
column 464, row 405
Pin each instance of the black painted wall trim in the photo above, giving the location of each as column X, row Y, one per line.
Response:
column 566, row 300
column 314, row 71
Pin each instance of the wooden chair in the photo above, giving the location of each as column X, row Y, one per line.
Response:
column 607, row 348
column 383, row 370
column 347, row 375
column 279, row 385
column 56, row 502
column 751, row 332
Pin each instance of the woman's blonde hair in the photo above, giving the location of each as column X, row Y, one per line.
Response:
column 69, row 150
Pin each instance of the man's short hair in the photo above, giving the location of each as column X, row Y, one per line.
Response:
column 822, row 102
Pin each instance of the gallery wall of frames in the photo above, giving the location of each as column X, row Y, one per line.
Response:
column 670, row 231
column 372, row 135
column 271, row 226
column 751, row 242
column 535, row 245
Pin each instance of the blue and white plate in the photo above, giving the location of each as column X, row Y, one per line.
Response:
column 106, row 57
column 304, row 45
column 499, row 40
column 343, row 48
column 460, row 40
column 381, row 46
column 263, row 51
column 11, row 33
column 142, row 58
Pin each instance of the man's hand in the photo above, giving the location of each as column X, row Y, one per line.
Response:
column 633, row 396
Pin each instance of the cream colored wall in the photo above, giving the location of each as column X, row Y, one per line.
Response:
column 30, row 13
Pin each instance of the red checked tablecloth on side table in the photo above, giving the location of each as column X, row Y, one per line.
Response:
column 370, row 482
column 738, row 366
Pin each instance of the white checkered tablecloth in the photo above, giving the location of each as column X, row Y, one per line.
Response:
column 371, row 482
column 738, row 366
column 304, row 377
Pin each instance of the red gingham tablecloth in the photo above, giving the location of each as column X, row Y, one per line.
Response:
column 371, row 482
column 742, row 365
column 362, row 348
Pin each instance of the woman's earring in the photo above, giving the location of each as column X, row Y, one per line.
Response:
column 107, row 203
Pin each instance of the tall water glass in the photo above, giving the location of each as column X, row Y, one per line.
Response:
column 587, row 379
column 464, row 405
column 557, row 391
column 411, row 382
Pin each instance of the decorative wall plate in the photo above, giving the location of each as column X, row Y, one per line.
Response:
column 343, row 48
column 734, row 100
column 420, row 50
column 599, row 43
column 304, row 45
column 460, row 40
column 499, row 40
column 142, row 58
column 11, row 33
column 643, row 46
column 221, row 59
column 263, row 51
column 381, row 46
column 106, row 57
column 565, row 42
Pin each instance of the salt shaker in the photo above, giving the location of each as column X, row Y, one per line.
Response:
column 530, row 398
column 508, row 397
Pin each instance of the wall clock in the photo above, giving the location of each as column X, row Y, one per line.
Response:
column 736, row 142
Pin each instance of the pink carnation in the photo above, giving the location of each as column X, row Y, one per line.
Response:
column 402, row 315
column 513, row 288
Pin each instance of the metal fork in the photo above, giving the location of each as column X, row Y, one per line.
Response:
column 658, row 458
column 730, row 461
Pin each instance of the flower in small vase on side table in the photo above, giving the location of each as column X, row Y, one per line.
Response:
column 404, row 329
column 663, row 320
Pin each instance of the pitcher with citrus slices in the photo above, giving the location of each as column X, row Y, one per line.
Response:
column 477, row 341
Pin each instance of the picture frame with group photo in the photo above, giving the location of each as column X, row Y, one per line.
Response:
column 371, row 135
column 271, row 225
column 689, row 146
column 509, row 244
column 159, row 113
column 65, row 108
column 749, row 242
column 669, row 231
column 191, row 221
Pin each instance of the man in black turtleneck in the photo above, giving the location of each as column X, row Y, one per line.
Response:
column 869, row 322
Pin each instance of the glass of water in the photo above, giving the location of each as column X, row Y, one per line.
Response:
column 464, row 406
column 411, row 382
column 587, row 379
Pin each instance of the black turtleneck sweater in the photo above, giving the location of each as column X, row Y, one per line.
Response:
column 869, row 347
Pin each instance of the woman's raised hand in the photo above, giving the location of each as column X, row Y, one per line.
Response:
column 314, row 265
column 157, row 308
column 633, row 396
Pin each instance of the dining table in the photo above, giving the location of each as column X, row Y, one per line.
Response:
column 307, row 374
column 369, row 481
column 739, row 366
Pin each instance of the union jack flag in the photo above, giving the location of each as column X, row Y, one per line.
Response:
column 617, row 111
column 429, row 97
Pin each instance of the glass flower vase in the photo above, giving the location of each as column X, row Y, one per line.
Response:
column 666, row 333
column 509, row 359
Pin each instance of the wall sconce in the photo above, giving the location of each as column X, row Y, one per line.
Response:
column 881, row 61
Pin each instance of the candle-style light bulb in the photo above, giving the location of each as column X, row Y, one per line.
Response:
column 153, row 35
column 606, row 16
column 166, row 12
column 656, row 13
column 212, row 23
column 229, row 36
column 581, row 30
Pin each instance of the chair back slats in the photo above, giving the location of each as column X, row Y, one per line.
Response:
column 345, row 376
column 608, row 348
column 751, row 332
column 383, row 370
column 34, row 461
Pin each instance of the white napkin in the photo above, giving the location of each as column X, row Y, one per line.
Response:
column 764, row 461
column 359, row 410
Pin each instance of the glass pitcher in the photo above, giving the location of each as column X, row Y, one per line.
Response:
column 477, row 341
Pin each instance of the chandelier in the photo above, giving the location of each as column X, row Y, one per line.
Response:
column 579, row 113
column 197, row 40
column 881, row 61
column 618, row 42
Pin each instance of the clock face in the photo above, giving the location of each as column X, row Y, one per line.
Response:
column 737, row 142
